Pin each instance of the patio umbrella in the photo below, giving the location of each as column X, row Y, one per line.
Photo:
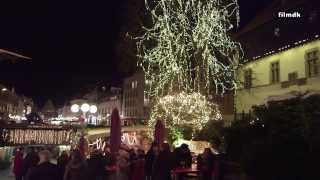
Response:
column 115, row 132
column 159, row 132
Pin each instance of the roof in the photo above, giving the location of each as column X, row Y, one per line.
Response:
column 268, row 34
column 11, row 55
column 268, row 14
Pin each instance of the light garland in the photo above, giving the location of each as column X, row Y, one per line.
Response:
column 36, row 136
column 188, row 49
column 193, row 110
column 286, row 47
column 186, row 56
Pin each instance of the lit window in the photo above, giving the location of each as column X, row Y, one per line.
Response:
column 312, row 62
column 275, row 72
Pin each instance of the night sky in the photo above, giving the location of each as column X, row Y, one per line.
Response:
column 71, row 44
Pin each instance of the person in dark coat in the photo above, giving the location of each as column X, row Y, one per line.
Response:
column 137, row 172
column 62, row 163
column 44, row 170
column 30, row 161
column 17, row 164
column 206, row 163
column 185, row 157
column 77, row 168
column 163, row 164
column 150, row 158
column 96, row 166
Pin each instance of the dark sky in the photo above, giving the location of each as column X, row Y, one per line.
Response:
column 71, row 43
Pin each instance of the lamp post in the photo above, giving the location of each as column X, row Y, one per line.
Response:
column 84, row 108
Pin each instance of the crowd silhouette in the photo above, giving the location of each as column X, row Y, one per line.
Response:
column 157, row 163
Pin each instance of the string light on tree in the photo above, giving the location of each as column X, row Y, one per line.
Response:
column 188, row 49
column 187, row 55
column 193, row 110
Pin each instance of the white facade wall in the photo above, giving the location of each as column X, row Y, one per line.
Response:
column 291, row 60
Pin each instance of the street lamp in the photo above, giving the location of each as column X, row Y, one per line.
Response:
column 93, row 109
column 75, row 108
column 85, row 108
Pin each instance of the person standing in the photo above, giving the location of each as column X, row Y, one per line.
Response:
column 122, row 165
column 206, row 163
column 150, row 159
column 163, row 164
column 62, row 163
column 137, row 172
column 30, row 161
column 76, row 168
column 18, row 164
column 185, row 156
column 96, row 166
column 45, row 170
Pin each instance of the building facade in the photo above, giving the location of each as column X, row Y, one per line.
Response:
column 106, row 104
column 134, row 104
column 282, row 55
column 12, row 106
column 48, row 111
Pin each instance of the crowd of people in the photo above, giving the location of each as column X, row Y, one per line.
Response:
column 128, row 164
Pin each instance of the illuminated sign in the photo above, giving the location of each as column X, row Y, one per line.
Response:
column 130, row 138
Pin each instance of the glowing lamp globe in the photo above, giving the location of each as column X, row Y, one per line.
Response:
column 85, row 107
column 75, row 108
column 93, row 109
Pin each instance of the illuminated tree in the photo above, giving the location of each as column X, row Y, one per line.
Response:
column 187, row 50
column 183, row 109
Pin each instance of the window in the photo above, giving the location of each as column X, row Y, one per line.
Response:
column 275, row 72
column 292, row 76
column 136, row 84
column 312, row 61
column 247, row 78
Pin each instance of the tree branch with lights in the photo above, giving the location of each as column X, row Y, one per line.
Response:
column 187, row 56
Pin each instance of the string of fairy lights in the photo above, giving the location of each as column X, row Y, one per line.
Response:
column 188, row 48
column 185, row 109
column 35, row 136
column 187, row 55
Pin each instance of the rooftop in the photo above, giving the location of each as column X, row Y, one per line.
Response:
column 9, row 55
column 267, row 34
